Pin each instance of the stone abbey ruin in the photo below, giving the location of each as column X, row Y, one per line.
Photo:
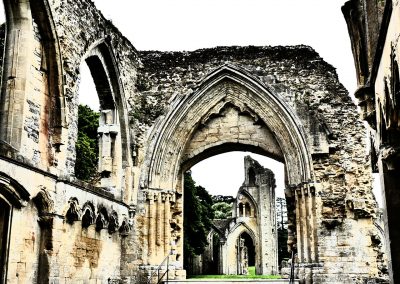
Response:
column 163, row 112
column 249, row 236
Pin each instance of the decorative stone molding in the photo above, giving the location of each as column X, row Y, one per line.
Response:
column 73, row 214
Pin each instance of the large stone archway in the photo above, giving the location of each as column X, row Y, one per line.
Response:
column 230, row 110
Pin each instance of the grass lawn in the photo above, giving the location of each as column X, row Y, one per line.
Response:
column 251, row 275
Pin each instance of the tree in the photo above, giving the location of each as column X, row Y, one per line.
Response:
column 87, row 148
column 198, row 216
column 222, row 210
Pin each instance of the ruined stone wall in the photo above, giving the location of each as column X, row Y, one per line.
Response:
column 67, row 230
column 38, row 151
column 80, row 26
column 343, row 200
column 374, row 34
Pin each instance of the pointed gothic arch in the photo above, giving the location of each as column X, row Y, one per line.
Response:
column 227, row 85
column 22, row 20
column 189, row 133
column 114, row 139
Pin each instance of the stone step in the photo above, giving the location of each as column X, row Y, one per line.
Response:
column 228, row 281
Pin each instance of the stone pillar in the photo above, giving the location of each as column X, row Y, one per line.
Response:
column 151, row 219
column 306, row 230
column 107, row 130
column 45, row 248
column 17, row 52
column 389, row 170
column 167, row 226
column 159, row 221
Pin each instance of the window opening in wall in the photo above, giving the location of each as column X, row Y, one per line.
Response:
column 246, row 254
column 99, row 92
column 224, row 180
column 252, row 177
column 5, row 211
column 87, row 145
column 247, row 210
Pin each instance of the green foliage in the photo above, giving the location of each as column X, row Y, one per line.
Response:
column 223, row 198
column 87, row 148
column 222, row 210
column 198, row 216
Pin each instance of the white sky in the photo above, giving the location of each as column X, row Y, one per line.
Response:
column 188, row 25
column 191, row 24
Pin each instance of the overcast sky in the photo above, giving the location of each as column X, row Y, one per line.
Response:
column 189, row 25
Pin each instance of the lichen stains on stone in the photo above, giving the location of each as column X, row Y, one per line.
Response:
column 86, row 250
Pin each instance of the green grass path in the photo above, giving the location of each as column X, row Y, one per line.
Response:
column 251, row 275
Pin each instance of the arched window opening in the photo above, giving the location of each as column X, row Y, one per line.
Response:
column 87, row 219
column 241, row 209
column 5, row 212
column 105, row 160
column 87, row 145
column 245, row 253
column 252, row 177
column 247, row 210
column 12, row 196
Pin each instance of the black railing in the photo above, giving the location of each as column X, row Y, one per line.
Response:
column 158, row 271
column 291, row 280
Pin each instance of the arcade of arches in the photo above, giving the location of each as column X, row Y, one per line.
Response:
column 163, row 112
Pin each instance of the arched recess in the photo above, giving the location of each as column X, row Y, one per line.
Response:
column 247, row 199
column 227, row 87
column 232, row 248
column 12, row 195
column 30, row 32
column 230, row 110
column 114, row 143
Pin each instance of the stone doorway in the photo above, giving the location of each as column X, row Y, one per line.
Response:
column 232, row 110
column 5, row 214
column 246, row 254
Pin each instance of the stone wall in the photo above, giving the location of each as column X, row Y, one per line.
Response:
column 344, row 204
column 291, row 94
column 374, row 32
column 67, row 230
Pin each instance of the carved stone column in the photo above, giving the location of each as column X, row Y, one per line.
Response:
column 150, row 222
column 167, row 226
column 306, row 230
column 159, row 221
column 45, row 206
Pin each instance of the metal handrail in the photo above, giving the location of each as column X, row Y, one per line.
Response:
column 157, row 271
column 291, row 281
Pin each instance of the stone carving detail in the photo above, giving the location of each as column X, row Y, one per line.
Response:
column 113, row 223
column 125, row 228
column 73, row 213
column 43, row 202
column 88, row 214
column 102, row 219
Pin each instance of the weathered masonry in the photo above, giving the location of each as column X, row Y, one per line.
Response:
column 374, row 32
column 162, row 112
